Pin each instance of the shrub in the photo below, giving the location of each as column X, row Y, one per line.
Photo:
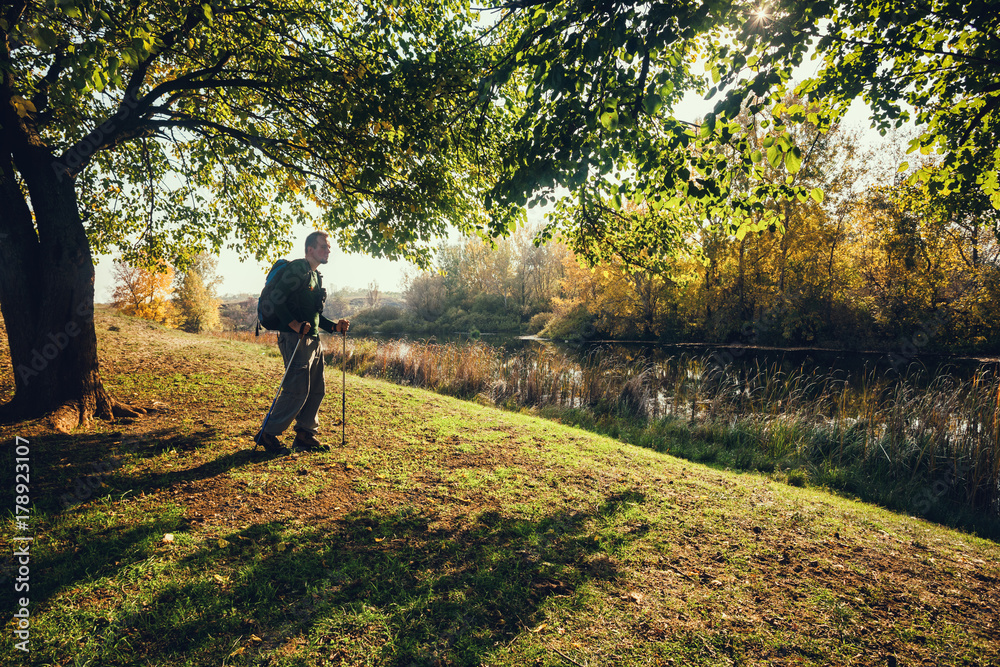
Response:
column 371, row 320
column 577, row 324
column 489, row 303
column 539, row 321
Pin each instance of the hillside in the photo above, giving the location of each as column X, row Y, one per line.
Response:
column 448, row 533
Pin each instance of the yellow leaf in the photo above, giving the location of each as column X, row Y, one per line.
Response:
column 223, row 544
column 238, row 651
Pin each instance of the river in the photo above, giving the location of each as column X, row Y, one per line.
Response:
column 852, row 366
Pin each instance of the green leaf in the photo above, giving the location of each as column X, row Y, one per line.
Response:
column 793, row 160
column 653, row 103
column 817, row 195
column 774, row 156
column 903, row 167
column 96, row 80
column 46, row 38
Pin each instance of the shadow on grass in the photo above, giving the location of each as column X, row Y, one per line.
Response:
column 88, row 554
column 389, row 588
column 69, row 470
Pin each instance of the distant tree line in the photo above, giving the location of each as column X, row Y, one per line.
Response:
column 867, row 260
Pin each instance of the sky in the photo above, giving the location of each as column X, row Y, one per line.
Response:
column 247, row 276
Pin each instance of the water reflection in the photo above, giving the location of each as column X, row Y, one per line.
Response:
column 852, row 366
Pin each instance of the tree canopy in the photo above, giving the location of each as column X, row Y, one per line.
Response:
column 607, row 78
column 161, row 128
column 186, row 123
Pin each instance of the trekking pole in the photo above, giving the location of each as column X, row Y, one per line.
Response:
column 343, row 394
column 256, row 440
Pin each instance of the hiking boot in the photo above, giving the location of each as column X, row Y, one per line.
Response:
column 307, row 442
column 271, row 444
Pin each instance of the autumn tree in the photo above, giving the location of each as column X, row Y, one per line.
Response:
column 922, row 257
column 195, row 295
column 142, row 292
column 426, row 296
column 520, row 274
column 163, row 128
column 538, row 269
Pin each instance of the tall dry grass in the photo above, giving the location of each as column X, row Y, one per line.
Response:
column 265, row 337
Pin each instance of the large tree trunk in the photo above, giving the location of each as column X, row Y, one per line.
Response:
column 47, row 293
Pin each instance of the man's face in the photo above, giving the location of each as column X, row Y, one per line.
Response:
column 320, row 252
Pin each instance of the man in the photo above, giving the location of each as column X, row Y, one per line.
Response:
column 298, row 300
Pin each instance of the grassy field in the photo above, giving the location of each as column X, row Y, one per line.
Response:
column 447, row 533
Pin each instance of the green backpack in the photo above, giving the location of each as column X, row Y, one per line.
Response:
column 266, row 315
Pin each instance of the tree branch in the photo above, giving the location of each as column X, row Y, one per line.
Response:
column 904, row 48
column 169, row 39
column 41, row 98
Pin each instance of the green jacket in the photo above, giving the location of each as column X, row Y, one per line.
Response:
column 299, row 295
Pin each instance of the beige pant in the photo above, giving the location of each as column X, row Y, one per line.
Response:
column 303, row 389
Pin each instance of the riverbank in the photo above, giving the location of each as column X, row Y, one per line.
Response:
column 451, row 533
column 924, row 442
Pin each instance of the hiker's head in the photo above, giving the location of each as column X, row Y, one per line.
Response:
column 317, row 248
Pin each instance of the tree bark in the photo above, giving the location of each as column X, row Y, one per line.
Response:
column 47, row 291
